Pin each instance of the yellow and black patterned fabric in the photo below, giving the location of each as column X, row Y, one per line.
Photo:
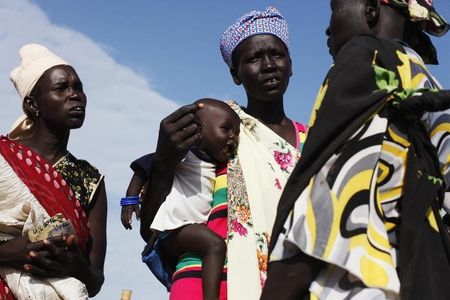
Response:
column 366, row 195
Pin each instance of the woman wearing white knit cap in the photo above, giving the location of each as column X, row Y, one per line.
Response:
column 52, row 205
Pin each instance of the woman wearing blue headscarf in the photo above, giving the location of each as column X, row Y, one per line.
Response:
column 255, row 48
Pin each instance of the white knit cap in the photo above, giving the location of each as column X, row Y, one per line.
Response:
column 36, row 59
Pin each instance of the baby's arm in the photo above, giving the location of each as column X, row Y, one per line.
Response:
column 134, row 189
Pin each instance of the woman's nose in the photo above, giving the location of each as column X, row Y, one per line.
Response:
column 74, row 93
column 328, row 31
column 268, row 61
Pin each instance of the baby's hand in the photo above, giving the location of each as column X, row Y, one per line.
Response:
column 126, row 215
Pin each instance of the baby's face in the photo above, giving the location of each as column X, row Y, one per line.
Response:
column 220, row 131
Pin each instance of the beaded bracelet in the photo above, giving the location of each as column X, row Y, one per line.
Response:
column 130, row 200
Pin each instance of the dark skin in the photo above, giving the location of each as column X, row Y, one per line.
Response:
column 178, row 132
column 134, row 189
column 198, row 238
column 220, row 129
column 262, row 65
column 254, row 65
column 290, row 279
column 61, row 102
column 364, row 17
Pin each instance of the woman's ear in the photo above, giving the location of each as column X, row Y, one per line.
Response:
column 372, row 11
column 290, row 62
column 30, row 107
column 235, row 77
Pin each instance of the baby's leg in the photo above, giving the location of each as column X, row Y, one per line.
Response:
column 199, row 239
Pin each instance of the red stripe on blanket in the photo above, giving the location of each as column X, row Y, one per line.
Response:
column 47, row 186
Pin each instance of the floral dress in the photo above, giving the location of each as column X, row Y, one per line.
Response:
column 245, row 199
column 255, row 180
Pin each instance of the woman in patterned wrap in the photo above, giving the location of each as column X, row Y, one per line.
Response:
column 52, row 205
column 247, row 190
column 360, row 217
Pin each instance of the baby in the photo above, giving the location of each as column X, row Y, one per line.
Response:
column 180, row 221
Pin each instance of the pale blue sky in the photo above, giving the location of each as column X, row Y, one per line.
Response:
column 139, row 60
column 175, row 43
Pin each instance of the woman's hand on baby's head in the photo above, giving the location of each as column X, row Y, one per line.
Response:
column 178, row 132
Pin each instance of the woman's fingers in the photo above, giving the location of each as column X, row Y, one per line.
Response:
column 181, row 118
column 38, row 246
column 181, row 112
column 72, row 244
column 35, row 270
column 58, row 252
column 43, row 264
column 189, row 142
column 181, row 136
column 55, row 250
column 431, row 101
column 178, row 133
column 171, row 127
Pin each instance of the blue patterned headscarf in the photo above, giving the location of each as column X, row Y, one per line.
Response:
column 252, row 23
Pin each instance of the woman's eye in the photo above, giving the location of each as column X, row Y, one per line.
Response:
column 278, row 53
column 60, row 87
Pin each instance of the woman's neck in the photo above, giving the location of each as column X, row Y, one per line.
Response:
column 269, row 113
column 272, row 115
column 391, row 24
column 49, row 145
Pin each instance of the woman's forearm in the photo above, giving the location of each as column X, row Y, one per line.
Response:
column 13, row 252
column 178, row 133
column 159, row 186
column 92, row 277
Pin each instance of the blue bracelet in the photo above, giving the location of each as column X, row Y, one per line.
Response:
column 131, row 200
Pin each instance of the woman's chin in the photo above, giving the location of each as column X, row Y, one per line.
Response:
column 76, row 124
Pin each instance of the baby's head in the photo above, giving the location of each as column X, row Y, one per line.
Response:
column 220, row 129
